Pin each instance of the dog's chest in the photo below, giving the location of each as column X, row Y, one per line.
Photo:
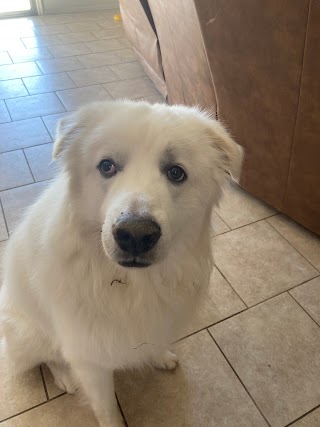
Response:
column 122, row 330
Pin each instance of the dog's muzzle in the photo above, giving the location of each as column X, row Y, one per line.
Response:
column 135, row 236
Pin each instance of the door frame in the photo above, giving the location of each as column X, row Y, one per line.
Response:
column 36, row 9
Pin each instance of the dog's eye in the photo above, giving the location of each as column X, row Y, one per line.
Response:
column 177, row 174
column 107, row 168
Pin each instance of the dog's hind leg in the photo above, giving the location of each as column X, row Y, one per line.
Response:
column 22, row 346
column 97, row 383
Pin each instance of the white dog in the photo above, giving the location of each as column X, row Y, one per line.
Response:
column 109, row 262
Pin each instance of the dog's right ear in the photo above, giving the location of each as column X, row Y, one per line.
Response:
column 65, row 132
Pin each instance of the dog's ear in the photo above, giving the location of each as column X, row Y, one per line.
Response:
column 66, row 128
column 229, row 152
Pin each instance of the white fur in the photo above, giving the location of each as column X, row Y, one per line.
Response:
column 65, row 300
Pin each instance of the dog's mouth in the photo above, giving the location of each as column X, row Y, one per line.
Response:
column 134, row 263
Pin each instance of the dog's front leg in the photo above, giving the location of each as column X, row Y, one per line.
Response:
column 98, row 386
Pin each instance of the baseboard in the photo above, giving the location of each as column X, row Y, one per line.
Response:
column 113, row 5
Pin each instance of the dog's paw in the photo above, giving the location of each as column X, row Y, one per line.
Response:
column 166, row 360
column 63, row 378
column 65, row 383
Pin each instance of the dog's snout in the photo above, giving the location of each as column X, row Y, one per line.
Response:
column 136, row 235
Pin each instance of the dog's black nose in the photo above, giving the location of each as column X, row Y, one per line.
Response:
column 136, row 235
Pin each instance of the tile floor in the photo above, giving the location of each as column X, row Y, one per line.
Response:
column 251, row 357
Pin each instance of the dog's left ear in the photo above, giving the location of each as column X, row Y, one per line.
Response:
column 229, row 152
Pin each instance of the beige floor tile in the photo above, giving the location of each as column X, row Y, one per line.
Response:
column 64, row 18
column 52, row 389
column 20, row 393
column 15, row 201
column 23, row 133
column 4, row 114
column 72, row 49
column 49, row 40
column 48, row 83
column 82, row 36
column 307, row 243
column 109, row 23
column 311, row 420
column 16, row 71
column 218, row 226
column 83, row 26
column 45, row 30
column 128, row 70
column 75, row 98
column 259, row 263
column 275, row 350
column 308, row 296
column 8, row 32
column 99, row 59
column 40, row 162
column 110, row 33
column 52, row 121
column 125, row 42
column 3, row 229
column 219, row 302
column 14, row 170
column 27, row 55
column 154, row 99
column 131, row 89
column 34, row 106
column 127, row 55
column 58, row 65
column 5, row 58
column 10, row 43
column 12, row 89
column 202, row 392
column 105, row 45
column 239, row 208
column 93, row 76
column 65, row 411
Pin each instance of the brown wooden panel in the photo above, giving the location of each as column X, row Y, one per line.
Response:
column 302, row 200
column 184, row 58
column 144, row 41
column 255, row 51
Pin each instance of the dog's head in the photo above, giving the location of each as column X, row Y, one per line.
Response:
column 146, row 176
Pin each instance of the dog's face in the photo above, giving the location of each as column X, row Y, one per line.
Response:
column 145, row 176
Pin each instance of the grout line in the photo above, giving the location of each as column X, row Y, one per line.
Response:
column 291, row 244
column 230, row 284
column 121, row 411
column 245, row 225
column 25, row 84
column 4, row 218
column 28, row 165
column 287, row 291
column 221, row 220
column 25, row 185
column 25, row 148
column 33, row 407
column 44, row 383
column 209, row 326
column 303, row 416
column 304, row 309
column 41, row 117
column 123, row 61
column 5, row 103
column 242, row 383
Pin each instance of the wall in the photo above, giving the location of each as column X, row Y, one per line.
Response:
column 63, row 6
